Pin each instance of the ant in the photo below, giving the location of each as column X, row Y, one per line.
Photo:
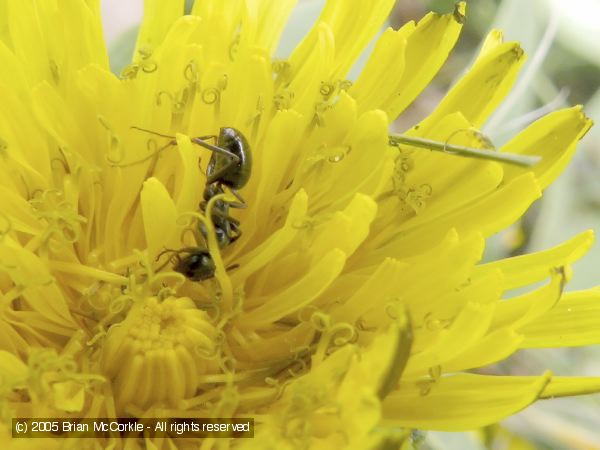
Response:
column 226, row 171
column 230, row 166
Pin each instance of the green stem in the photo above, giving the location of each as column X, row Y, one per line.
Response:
column 469, row 152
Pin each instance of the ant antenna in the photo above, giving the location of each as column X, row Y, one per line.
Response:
column 173, row 141
column 152, row 132
column 231, row 267
column 139, row 161
column 167, row 250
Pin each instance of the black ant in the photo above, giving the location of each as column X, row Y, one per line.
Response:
column 230, row 165
column 227, row 229
column 197, row 265
column 226, row 171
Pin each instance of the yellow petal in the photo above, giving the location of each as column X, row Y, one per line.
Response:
column 348, row 228
column 53, row 50
column 20, row 213
column 187, row 194
column 12, row 72
column 159, row 215
column 27, row 39
column 69, row 396
column 427, row 48
column 4, row 34
column 277, row 347
column 452, row 256
column 453, row 181
column 366, row 155
column 13, row 370
column 522, row 270
column 13, row 338
column 39, row 289
column 270, row 18
column 353, row 24
column 487, row 215
column 376, row 286
column 491, row 348
column 248, row 88
column 572, row 322
column 389, row 353
column 58, row 119
column 460, row 402
column 493, row 39
column 179, row 33
column 524, row 308
column 82, row 34
column 567, row 386
column 158, row 18
column 311, row 66
column 285, row 129
column 383, row 71
column 553, row 137
column 302, row 293
column 324, row 168
column 228, row 29
column 276, row 243
column 466, row 330
column 482, row 89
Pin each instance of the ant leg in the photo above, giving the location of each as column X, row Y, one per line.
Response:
column 226, row 227
column 220, row 150
column 233, row 220
column 200, row 167
column 222, row 214
column 242, row 203
column 233, row 158
column 215, row 176
column 219, row 209
column 236, row 232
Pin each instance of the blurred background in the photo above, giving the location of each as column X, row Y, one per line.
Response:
column 562, row 40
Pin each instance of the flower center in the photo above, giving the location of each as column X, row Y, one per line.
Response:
column 156, row 355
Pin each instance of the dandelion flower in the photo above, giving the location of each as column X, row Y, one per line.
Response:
column 351, row 305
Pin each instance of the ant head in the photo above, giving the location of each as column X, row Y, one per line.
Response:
column 198, row 265
column 231, row 162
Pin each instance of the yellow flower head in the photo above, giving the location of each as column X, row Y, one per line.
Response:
column 337, row 297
